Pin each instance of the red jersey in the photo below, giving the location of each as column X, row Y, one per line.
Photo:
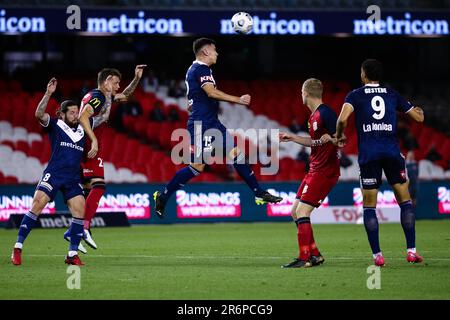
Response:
column 323, row 158
column 96, row 99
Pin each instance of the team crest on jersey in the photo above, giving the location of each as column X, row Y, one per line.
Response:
column 315, row 125
column 74, row 136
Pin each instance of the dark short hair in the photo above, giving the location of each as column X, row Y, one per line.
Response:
column 65, row 106
column 200, row 43
column 105, row 73
column 373, row 69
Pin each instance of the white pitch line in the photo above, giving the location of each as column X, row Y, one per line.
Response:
column 220, row 257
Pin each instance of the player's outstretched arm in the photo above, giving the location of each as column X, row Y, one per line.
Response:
column 304, row 141
column 416, row 114
column 85, row 114
column 126, row 94
column 341, row 123
column 40, row 113
column 216, row 94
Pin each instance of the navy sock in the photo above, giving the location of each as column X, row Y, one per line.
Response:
column 28, row 222
column 76, row 233
column 178, row 181
column 371, row 225
column 408, row 220
column 247, row 174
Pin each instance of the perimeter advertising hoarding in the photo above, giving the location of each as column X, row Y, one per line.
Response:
column 234, row 202
column 217, row 22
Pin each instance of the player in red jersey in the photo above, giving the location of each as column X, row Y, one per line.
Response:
column 97, row 103
column 323, row 173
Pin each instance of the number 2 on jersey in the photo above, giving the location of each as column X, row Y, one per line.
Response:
column 378, row 106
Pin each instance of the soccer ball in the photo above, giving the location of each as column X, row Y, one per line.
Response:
column 242, row 22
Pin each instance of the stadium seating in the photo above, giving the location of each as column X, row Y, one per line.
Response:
column 141, row 153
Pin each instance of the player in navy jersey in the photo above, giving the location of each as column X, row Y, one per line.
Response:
column 62, row 173
column 96, row 104
column 323, row 173
column 376, row 108
column 204, row 97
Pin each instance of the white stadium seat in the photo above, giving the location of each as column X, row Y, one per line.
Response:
column 20, row 134
column 34, row 137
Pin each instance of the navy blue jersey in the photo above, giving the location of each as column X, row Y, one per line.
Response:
column 96, row 99
column 375, row 108
column 67, row 148
column 203, row 108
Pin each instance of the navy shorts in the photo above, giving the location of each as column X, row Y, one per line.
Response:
column 394, row 170
column 209, row 139
column 51, row 183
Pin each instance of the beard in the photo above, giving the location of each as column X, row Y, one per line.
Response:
column 73, row 124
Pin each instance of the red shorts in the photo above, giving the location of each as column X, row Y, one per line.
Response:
column 93, row 167
column 315, row 188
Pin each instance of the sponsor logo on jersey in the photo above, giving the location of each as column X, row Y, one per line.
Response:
column 206, row 78
column 71, row 145
column 95, row 102
column 377, row 127
column 315, row 125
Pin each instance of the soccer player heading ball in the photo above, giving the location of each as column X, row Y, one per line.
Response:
column 375, row 108
column 204, row 98
column 323, row 173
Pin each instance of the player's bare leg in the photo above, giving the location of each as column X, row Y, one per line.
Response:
column 40, row 200
column 76, row 206
column 306, row 243
column 408, row 220
column 371, row 224
column 246, row 173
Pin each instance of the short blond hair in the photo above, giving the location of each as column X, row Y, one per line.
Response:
column 313, row 87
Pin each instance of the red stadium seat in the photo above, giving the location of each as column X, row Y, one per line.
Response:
column 23, row 146
column 11, row 180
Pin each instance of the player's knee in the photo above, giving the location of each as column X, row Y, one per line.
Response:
column 38, row 205
column 401, row 192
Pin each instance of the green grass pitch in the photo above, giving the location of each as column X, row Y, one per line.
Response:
column 227, row 261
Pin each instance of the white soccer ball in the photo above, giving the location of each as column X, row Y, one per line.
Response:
column 242, row 22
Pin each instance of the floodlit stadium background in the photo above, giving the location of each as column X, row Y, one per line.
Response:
column 293, row 40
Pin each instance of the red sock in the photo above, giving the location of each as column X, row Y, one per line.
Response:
column 92, row 204
column 312, row 245
column 304, row 235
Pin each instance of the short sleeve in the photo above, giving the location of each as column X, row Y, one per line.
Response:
column 204, row 75
column 329, row 120
column 95, row 100
column 350, row 99
column 50, row 125
column 402, row 104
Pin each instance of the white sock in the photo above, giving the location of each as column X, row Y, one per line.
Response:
column 72, row 253
column 413, row 250
column 377, row 254
column 18, row 245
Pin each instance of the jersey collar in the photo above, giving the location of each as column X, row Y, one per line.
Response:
column 199, row 62
column 372, row 85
